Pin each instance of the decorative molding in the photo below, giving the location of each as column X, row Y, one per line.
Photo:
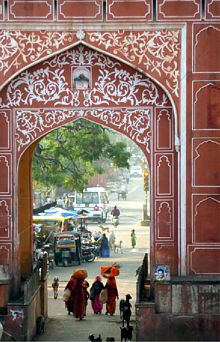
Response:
column 215, row 199
column 201, row 268
column 6, row 252
column 195, row 98
column 175, row 6
column 196, row 155
column 195, row 47
column 165, row 161
column 5, row 220
column 5, row 173
column 164, row 113
column 166, row 205
column 31, row 7
column 5, row 124
column 211, row 15
column 133, row 6
column 80, row 10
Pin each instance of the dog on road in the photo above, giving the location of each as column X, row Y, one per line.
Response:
column 118, row 247
column 126, row 333
column 94, row 339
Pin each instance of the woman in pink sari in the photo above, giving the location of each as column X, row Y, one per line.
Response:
column 95, row 291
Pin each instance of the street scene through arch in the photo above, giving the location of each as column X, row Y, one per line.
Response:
column 63, row 327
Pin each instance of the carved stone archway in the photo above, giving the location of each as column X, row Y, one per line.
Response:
column 44, row 98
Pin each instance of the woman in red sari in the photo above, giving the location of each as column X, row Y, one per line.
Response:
column 76, row 303
column 112, row 292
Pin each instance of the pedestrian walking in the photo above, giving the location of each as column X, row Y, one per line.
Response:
column 112, row 294
column 76, row 302
column 133, row 238
column 112, row 239
column 95, row 291
column 104, row 247
column 55, row 286
column 86, row 293
column 110, row 272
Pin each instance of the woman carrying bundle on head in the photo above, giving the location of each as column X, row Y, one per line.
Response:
column 76, row 301
column 110, row 272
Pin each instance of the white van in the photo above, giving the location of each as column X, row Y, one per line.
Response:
column 95, row 201
column 136, row 171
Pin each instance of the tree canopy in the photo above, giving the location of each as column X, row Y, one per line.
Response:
column 70, row 155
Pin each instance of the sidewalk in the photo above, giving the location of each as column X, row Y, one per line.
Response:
column 66, row 328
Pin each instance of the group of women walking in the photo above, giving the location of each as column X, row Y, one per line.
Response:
column 78, row 294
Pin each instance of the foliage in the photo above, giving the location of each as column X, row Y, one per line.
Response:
column 70, row 155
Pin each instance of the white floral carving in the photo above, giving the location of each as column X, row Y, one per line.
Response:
column 113, row 86
column 121, row 87
column 18, row 47
column 8, row 47
column 135, row 123
column 41, row 86
column 156, row 50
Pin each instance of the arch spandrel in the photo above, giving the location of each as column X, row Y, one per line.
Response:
column 155, row 52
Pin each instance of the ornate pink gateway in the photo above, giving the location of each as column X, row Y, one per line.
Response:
column 84, row 83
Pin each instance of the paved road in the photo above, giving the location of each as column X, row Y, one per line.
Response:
column 60, row 326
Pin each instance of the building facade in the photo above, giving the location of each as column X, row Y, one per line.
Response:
column 149, row 70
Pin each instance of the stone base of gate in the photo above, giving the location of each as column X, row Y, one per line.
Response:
column 184, row 310
column 20, row 322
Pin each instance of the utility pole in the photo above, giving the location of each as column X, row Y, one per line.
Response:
column 145, row 221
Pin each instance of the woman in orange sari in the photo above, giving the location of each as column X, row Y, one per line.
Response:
column 112, row 292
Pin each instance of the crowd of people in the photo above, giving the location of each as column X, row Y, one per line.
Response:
column 78, row 291
column 78, row 295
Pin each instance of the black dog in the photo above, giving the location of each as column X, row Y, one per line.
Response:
column 92, row 338
column 125, row 310
column 40, row 325
column 126, row 333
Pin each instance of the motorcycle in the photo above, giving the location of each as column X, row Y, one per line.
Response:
column 115, row 221
column 88, row 253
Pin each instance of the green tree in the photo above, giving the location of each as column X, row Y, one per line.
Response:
column 70, row 155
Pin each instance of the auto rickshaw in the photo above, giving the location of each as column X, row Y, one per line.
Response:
column 67, row 249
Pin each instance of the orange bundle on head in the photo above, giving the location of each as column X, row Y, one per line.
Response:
column 80, row 273
column 110, row 271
